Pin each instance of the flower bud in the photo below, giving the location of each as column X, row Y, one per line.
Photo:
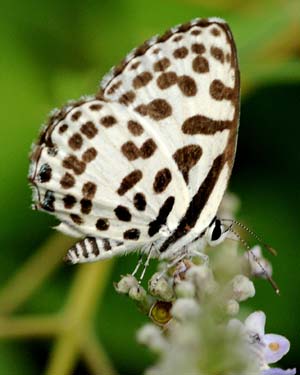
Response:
column 185, row 309
column 151, row 336
column 242, row 288
column 203, row 279
column 125, row 284
column 137, row 293
column 185, row 289
column 159, row 287
column 232, row 307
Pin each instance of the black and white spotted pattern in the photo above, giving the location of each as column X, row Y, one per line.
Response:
column 147, row 160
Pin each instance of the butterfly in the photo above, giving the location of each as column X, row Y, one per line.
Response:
column 145, row 162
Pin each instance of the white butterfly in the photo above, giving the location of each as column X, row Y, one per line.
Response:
column 144, row 164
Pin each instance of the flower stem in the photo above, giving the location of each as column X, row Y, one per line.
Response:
column 87, row 289
column 30, row 326
column 33, row 273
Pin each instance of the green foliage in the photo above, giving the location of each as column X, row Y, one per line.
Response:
column 53, row 51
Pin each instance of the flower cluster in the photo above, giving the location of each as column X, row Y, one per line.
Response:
column 193, row 307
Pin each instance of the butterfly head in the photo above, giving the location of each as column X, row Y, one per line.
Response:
column 218, row 231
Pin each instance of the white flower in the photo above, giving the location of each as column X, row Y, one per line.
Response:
column 159, row 287
column 258, row 269
column 232, row 307
column 185, row 289
column 279, row 371
column 126, row 283
column 151, row 335
column 242, row 288
column 185, row 309
column 137, row 293
column 266, row 348
column 273, row 347
column 203, row 279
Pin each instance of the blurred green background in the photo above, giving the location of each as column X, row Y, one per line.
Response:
column 53, row 317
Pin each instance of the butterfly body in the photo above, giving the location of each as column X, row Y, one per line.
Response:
column 145, row 162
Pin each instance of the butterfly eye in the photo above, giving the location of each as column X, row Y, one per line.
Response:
column 215, row 233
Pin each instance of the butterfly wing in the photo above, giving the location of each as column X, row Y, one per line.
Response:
column 186, row 84
column 100, row 180
column 128, row 163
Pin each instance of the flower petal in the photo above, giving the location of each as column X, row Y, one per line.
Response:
column 275, row 347
column 259, row 266
column 256, row 323
column 256, row 250
column 279, row 371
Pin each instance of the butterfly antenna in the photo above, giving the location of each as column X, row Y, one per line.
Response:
column 268, row 277
column 268, row 247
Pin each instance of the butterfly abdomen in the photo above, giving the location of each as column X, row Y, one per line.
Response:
column 91, row 249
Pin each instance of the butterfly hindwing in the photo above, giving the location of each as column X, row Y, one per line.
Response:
column 100, row 179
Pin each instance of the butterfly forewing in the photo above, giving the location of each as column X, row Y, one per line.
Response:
column 186, row 85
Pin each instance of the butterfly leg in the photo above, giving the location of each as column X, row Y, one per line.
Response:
column 146, row 263
column 137, row 267
column 173, row 263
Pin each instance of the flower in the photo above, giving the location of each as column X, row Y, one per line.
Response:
column 190, row 310
column 151, row 336
column 242, row 288
column 185, row 309
column 279, row 371
column 259, row 266
column 191, row 305
column 266, row 348
column 160, row 287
